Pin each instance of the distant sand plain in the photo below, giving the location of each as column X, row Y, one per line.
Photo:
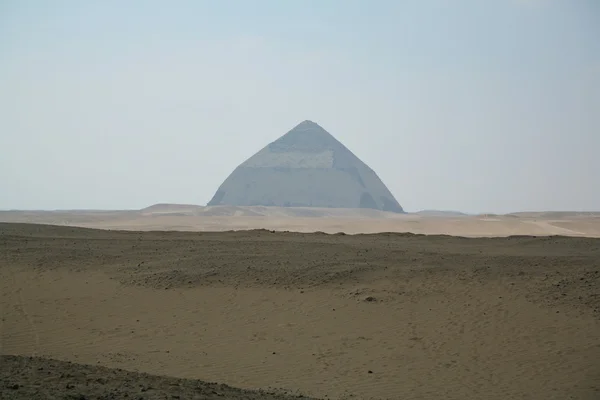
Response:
column 222, row 218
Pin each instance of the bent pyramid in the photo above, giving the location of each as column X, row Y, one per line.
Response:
column 306, row 167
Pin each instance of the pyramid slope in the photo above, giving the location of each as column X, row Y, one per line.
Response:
column 306, row 167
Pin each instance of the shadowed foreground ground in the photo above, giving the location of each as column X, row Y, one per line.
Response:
column 30, row 378
column 387, row 316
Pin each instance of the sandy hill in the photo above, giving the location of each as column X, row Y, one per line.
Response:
column 171, row 208
column 441, row 213
column 311, row 219
column 557, row 214
column 165, row 209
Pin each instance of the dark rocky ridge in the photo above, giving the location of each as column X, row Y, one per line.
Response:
column 306, row 167
column 36, row 378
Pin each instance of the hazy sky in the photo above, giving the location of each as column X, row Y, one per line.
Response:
column 478, row 106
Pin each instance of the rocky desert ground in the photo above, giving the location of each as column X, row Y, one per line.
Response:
column 160, row 302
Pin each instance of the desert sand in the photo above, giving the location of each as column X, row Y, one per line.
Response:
column 183, row 217
column 366, row 316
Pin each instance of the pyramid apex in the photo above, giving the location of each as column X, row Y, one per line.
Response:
column 307, row 124
column 308, row 136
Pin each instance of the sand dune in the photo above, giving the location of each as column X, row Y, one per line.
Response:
column 386, row 316
column 222, row 218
